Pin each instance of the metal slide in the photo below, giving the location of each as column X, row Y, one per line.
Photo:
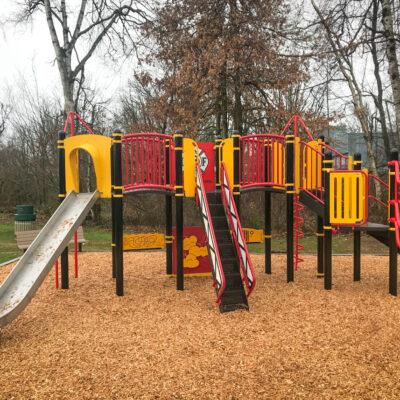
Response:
column 31, row 270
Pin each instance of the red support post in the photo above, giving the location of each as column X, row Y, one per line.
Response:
column 56, row 274
column 76, row 253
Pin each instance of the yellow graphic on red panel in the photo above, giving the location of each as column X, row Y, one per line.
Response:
column 193, row 252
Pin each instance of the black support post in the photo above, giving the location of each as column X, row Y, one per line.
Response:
column 267, row 212
column 290, row 192
column 178, row 137
column 236, row 169
column 320, row 221
column 356, row 233
column 168, row 214
column 320, row 247
column 61, row 194
column 267, row 231
column 117, row 200
column 392, row 230
column 113, row 227
column 327, row 166
column 217, row 157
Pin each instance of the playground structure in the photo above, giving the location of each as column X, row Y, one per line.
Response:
column 306, row 170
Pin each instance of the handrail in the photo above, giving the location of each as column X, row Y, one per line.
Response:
column 70, row 120
column 372, row 177
column 248, row 273
column 340, row 160
column 133, row 135
column 213, row 251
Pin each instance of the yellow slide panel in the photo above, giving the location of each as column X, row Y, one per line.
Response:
column 348, row 197
column 98, row 147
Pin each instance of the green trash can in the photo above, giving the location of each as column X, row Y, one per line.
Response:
column 25, row 218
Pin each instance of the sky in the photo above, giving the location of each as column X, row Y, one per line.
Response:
column 26, row 50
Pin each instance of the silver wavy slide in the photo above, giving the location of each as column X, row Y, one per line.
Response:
column 22, row 283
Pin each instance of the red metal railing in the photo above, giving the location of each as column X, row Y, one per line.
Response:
column 396, row 201
column 297, row 122
column 340, row 161
column 213, row 250
column 149, row 161
column 248, row 273
column 74, row 119
column 373, row 180
column 262, row 161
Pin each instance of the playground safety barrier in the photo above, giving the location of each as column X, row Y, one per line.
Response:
column 149, row 160
column 215, row 258
column 262, row 161
column 395, row 202
column 348, row 200
column 248, row 274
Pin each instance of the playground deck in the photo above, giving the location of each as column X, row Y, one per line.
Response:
column 298, row 340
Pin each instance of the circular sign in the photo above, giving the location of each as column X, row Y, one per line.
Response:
column 203, row 161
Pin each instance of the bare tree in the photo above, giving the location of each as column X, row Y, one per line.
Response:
column 393, row 63
column 77, row 32
column 343, row 37
column 4, row 116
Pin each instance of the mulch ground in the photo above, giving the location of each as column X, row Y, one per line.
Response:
column 297, row 342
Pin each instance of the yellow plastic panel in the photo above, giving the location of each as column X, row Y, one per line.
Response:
column 227, row 157
column 189, row 167
column 348, row 197
column 297, row 170
column 99, row 149
column 312, row 165
column 278, row 151
column 253, row 235
column 143, row 241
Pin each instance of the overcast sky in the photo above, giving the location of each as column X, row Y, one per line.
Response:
column 27, row 49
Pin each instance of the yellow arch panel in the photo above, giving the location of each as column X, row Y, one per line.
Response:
column 99, row 148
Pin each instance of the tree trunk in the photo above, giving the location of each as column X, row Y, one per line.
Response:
column 379, row 98
column 224, row 103
column 238, row 107
column 393, row 64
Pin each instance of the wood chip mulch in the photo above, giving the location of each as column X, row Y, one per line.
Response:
column 297, row 342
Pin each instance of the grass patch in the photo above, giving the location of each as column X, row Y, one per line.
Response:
column 341, row 244
column 8, row 245
column 99, row 239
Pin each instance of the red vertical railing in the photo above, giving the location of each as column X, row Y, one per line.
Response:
column 340, row 161
column 395, row 219
column 262, row 161
column 149, row 161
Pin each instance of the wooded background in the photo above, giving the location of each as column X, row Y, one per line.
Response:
column 207, row 67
